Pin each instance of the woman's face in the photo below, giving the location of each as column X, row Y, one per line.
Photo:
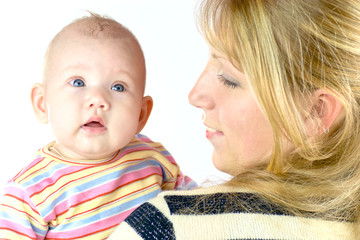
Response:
column 235, row 124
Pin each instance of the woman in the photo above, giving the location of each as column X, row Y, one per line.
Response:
column 280, row 96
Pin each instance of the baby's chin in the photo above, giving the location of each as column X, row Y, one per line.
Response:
column 95, row 156
column 81, row 155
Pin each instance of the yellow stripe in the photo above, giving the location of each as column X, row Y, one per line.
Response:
column 125, row 194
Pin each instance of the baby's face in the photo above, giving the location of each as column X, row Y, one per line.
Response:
column 94, row 95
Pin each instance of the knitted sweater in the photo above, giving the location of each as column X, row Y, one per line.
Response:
column 180, row 215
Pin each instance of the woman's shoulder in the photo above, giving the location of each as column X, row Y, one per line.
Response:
column 158, row 216
column 222, row 212
column 215, row 200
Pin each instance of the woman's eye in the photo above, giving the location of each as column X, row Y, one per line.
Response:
column 118, row 87
column 227, row 82
column 77, row 83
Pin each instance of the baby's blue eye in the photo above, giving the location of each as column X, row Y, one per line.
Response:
column 118, row 87
column 77, row 83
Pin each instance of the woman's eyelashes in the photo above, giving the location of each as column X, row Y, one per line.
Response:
column 227, row 82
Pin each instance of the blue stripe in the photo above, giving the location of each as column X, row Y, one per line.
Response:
column 97, row 182
column 24, row 221
column 108, row 213
column 45, row 175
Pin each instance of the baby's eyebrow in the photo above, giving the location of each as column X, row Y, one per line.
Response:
column 76, row 66
column 122, row 82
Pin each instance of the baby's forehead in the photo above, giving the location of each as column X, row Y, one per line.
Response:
column 97, row 28
column 106, row 31
column 94, row 28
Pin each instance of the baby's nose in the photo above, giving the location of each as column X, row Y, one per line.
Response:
column 98, row 100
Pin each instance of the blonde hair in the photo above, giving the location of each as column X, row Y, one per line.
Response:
column 287, row 50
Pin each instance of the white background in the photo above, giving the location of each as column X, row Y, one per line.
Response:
column 175, row 54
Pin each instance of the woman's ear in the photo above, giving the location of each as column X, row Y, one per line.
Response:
column 147, row 105
column 326, row 107
column 38, row 102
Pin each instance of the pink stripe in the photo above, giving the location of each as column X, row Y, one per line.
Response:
column 168, row 156
column 137, row 149
column 28, row 167
column 49, row 181
column 105, row 189
column 19, row 229
column 70, row 182
column 25, row 213
column 20, row 195
column 100, row 226
column 143, row 138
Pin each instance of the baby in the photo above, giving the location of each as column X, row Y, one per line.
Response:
column 100, row 168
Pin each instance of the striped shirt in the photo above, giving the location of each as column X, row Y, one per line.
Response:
column 59, row 198
column 223, row 213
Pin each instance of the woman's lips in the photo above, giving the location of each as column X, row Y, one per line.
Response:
column 210, row 132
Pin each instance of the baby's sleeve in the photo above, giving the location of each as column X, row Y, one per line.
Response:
column 19, row 218
column 175, row 179
column 184, row 182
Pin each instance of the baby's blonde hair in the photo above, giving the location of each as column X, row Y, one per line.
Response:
column 288, row 49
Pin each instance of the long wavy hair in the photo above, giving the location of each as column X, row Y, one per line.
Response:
column 288, row 49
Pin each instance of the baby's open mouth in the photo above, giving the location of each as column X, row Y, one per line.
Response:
column 93, row 124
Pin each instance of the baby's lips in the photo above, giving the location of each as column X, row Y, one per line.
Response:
column 94, row 122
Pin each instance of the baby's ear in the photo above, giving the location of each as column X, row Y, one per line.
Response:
column 147, row 104
column 38, row 102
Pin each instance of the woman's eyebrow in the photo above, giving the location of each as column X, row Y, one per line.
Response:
column 215, row 56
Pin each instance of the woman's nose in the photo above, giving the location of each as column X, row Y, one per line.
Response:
column 200, row 94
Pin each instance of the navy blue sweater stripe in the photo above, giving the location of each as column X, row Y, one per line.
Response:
column 220, row 203
column 150, row 223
